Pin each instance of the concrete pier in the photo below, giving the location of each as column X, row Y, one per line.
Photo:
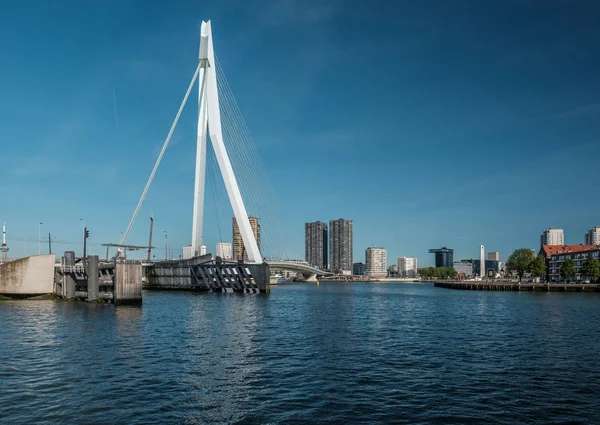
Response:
column 27, row 277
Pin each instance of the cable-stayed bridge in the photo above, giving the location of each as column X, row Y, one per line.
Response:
column 222, row 131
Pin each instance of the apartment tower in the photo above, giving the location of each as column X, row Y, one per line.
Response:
column 376, row 261
column 315, row 248
column 239, row 251
column 340, row 246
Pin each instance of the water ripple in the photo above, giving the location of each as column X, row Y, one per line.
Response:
column 388, row 353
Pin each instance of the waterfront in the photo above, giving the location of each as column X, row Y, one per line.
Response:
column 338, row 353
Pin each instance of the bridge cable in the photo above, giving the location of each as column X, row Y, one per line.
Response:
column 248, row 163
column 265, row 198
column 162, row 152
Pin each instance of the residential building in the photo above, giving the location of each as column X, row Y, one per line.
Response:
column 464, row 268
column 407, row 267
column 315, row 247
column 494, row 256
column 239, row 250
column 592, row 237
column 444, row 256
column 224, row 250
column 393, row 270
column 340, row 246
column 376, row 261
column 557, row 255
column 552, row 236
column 358, row 269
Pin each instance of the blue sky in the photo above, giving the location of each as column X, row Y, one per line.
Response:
column 427, row 123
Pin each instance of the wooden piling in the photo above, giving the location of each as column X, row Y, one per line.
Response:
column 128, row 282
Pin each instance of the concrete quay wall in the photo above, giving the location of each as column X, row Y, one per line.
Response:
column 28, row 276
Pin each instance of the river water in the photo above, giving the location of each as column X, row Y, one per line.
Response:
column 334, row 353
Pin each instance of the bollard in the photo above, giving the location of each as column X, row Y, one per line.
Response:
column 92, row 278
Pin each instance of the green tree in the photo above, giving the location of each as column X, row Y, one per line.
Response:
column 567, row 269
column 591, row 269
column 426, row 272
column 452, row 273
column 520, row 261
column 538, row 266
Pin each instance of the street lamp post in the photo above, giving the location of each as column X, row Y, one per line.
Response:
column 40, row 238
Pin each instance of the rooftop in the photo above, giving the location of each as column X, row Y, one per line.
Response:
column 566, row 249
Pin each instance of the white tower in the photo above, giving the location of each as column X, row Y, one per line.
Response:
column 482, row 271
column 3, row 248
column 209, row 121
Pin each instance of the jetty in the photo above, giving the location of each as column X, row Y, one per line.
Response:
column 516, row 286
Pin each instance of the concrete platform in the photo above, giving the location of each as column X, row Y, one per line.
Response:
column 27, row 277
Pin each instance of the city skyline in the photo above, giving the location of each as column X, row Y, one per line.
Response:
column 118, row 87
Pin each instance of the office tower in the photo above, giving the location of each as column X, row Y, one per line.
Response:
column 444, row 256
column 224, row 250
column 407, row 267
column 358, row 269
column 592, row 237
column 376, row 261
column 552, row 236
column 239, row 251
column 493, row 256
column 315, row 248
column 340, row 246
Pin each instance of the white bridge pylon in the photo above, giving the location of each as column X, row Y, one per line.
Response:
column 209, row 122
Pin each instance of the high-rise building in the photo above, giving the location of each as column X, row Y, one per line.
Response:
column 358, row 269
column 407, row 267
column 552, row 236
column 239, row 251
column 340, row 246
column 444, row 256
column 376, row 261
column 494, row 256
column 315, row 248
column 592, row 237
column 224, row 250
